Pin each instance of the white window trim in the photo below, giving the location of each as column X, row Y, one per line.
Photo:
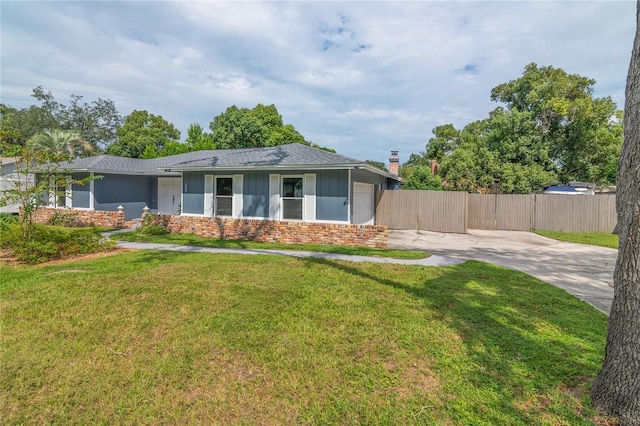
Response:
column 274, row 197
column 215, row 195
column 237, row 205
column 309, row 195
column 92, row 198
column 209, row 202
column 349, row 212
column 68, row 193
column 282, row 197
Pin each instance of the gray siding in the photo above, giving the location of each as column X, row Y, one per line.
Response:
column 332, row 195
column 81, row 193
column 193, row 192
column 255, row 199
column 132, row 192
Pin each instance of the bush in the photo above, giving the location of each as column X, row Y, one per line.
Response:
column 152, row 224
column 6, row 220
column 50, row 243
column 66, row 219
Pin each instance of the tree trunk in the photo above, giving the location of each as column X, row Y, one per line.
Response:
column 617, row 387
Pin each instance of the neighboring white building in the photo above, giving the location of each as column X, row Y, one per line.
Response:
column 9, row 178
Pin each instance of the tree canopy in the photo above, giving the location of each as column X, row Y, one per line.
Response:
column 551, row 129
column 94, row 122
column 61, row 144
column 261, row 126
column 140, row 134
column 423, row 179
column 143, row 135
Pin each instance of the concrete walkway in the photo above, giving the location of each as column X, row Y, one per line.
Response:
column 582, row 270
column 434, row 260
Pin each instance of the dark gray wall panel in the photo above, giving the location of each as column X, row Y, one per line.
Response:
column 193, row 183
column 332, row 208
column 193, row 203
column 131, row 192
column 255, row 199
column 193, row 192
column 80, row 193
column 332, row 195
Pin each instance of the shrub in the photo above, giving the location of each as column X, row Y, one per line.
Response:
column 66, row 219
column 153, row 224
column 50, row 243
column 6, row 220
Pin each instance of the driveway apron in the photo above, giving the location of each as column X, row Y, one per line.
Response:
column 582, row 270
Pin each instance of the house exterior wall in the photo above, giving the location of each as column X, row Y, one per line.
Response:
column 81, row 193
column 255, row 194
column 131, row 192
column 332, row 195
column 278, row 231
column 193, row 192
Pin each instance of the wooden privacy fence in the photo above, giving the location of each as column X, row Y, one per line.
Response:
column 438, row 211
column 447, row 211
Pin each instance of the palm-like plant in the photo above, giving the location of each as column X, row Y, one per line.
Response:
column 61, row 143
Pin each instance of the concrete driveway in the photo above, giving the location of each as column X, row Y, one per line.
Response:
column 582, row 270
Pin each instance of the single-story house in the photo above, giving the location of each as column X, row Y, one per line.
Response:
column 290, row 182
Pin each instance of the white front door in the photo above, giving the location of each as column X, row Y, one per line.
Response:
column 363, row 194
column 169, row 192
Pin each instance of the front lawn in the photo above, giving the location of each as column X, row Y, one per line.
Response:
column 150, row 337
column 594, row 238
column 194, row 240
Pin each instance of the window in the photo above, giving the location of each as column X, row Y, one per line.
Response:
column 224, row 196
column 292, row 196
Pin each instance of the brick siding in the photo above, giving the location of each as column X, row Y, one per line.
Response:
column 108, row 219
column 278, row 231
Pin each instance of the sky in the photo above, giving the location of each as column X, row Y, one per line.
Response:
column 361, row 77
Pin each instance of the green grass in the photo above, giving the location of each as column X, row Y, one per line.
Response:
column 149, row 337
column 194, row 240
column 593, row 238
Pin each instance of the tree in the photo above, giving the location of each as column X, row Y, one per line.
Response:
column 32, row 193
column 198, row 139
column 95, row 122
column 61, row 144
column 582, row 134
column 139, row 130
column 423, row 179
column 616, row 389
column 379, row 164
column 18, row 126
column 551, row 129
column 445, row 140
column 261, row 126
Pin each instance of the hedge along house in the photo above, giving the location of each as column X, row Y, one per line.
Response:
column 287, row 183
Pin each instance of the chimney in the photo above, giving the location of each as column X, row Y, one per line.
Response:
column 394, row 163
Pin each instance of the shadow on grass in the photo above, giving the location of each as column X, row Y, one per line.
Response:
column 523, row 340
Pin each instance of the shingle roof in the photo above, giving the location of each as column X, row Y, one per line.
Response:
column 283, row 156
column 290, row 155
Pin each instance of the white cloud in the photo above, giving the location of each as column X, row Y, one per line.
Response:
column 360, row 77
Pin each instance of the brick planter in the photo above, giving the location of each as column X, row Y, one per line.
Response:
column 278, row 231
column 108, row 219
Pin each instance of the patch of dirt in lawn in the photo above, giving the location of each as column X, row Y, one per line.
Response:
column 7, row 260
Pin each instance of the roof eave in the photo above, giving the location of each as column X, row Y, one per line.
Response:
column 344, row 166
